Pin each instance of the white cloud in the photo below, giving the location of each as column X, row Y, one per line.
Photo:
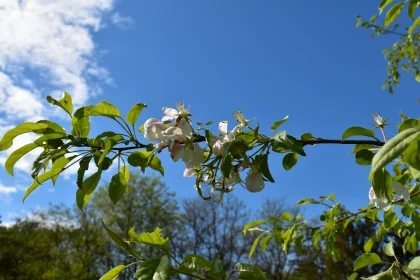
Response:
column 6, row 193
column 122, row 21
column 47, row 47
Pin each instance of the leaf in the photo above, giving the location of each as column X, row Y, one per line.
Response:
column 226, row 166
column 412, row 6
column 359, row 147
column 289, row 161
column 392, row 149
column 118, row 184
column 357, row 131
column 7, row 141
column 251, row 271
column 411, row 244
column 306, row 201
column 306, row 136
column 65, row 103
column 150, row 238
column 88, row 187
column 155, row 163
column 415, row 24
column 278, row 123
column 216, row 266
column 134, row 113
column 113, row 273
column 195, row 262
column 80, row 122
column 390, row 274
column 106, row 109
column 414, row 264
column 251, row 225
column 411, row 155
column 162, row 270
column 265, row 242
column 353, row 276
column 393, row 13
column 383, row 5
column 254, row 246
column 286, row 216
column 382, row 185
column 59, row 165
column 368, row 244
column 364, row 157
column 121, row 243
column 282, row 143
column 109, row 142
column 16, row 155
column 265, row 170
column 389, row 249
column 39, row 180
column 83, row 166
column 366, row 259
column 147, row 269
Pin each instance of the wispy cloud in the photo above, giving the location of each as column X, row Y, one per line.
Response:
column 122, row 21
column 47, row 47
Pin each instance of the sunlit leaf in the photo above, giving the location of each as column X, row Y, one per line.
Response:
column 150, row 238
column 366, row 259
column 7, row 141
column 16, row 155
column 113, row 273
column 357, row 131
column 65, row 103
column 134, row 113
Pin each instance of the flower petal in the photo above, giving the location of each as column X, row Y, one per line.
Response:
column 186, row 128
column 189, row 172
column 401, row 190
column 170, row 112
column 177, row 150
column 223, row 125
column 174, row 133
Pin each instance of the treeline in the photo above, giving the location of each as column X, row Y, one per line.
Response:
column 63, row 243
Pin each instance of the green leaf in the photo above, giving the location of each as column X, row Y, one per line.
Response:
column 289, row 161
column 134, row 113
column 282, row 143
column 383, row 5
column 391, row 274
column 265, row 242
column 411, row 155
column 414, row 264
column 121, row 243
column 226, row 166
column 392, row 149
column 415, row 24
column 393, row 13
column 265, row 170
column 353, row 276
column 150, row 238
column 65, row 103
column 249, row 271
column 364, row 157
column 286, row 216
column 39, row 180
column 109, row 142
column 88, row 187
column 16, row 155
column 412, row 6
column 106, row 109
column 382, row 185
column 411, row 244
column 118, row 184
column 368, row 244
column 163, row 269
column 357, row 131
column 147, row 269
column 216, row 266
column 80, row 122
column 366, row 259
column 251, row 225
column 306, row 201
column 7, row 141
column 52, row 127
column 359, row 147
column 113, row 273
column 306, row 136
column 195, row 262
column 59, row 165
column 156, row 164
column 278, row 123
column 389, row 249
column 254, row 246
column 83, row 166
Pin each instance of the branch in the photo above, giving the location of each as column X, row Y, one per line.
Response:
column 345, row 142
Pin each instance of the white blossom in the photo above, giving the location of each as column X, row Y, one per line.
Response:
column 398, row 188
column 153, row 130
column 254, row 182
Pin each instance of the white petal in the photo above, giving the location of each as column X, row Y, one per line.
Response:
column 150, row 122
column 372, row 195
column 186, row 128
column 223, row 127
column 218, row 148
column 174, row 133
column 254, row 182
column 189, row 172
column 170, row 112
column 193, row 157
column 232, row 134
column 177, row 150
column 401, row 190
column 382, row 205
column 166, row 118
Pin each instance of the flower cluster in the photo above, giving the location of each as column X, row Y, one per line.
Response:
column 398, row 188
column 176, row 133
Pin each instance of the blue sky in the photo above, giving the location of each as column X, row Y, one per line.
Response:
column 268, row 59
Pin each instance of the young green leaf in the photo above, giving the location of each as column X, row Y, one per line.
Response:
column 83, row 166
column 88, row 187
column 254, row 246
column 357, row 131
column 411, row 154
column 366, row 259
column 16, row 155
column 278, row 123
column 155, row 163
column 263, row 164
column 251, row 225
column 414, row 264
column 7, row 140
column 147, row 269
column 364, row 157
column 134, row 113
column 282, row 143
column 393, row 13
column 163, row 269
column 113, row 273
column 39, row 180
column 121, row 243
column 289, row 161
column 392, row 149
column 383, row 5
column 265, row 242
column 389, row 249
column 382, row 185
column 118, row 184
column 65, row 103
column 106, row 109
column 80, row 122
column 150, row 238
column 412, row 6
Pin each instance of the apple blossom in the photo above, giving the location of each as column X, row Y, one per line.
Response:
column 171, row 113
column 398, row 188
column 153, row 130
